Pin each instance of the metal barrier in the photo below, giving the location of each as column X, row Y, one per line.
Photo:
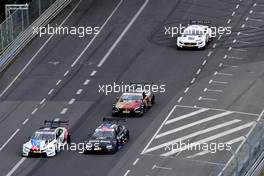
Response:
column 13, row 41
column 243, row 160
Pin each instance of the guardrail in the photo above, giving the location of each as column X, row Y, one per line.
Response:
column 27, row 35
column 248, row 159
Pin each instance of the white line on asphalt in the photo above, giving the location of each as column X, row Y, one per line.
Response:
column 122, row 34
column 16, row 166
column 246, row 34
column 219, row 37
column 50, row 92
column 212, row 90
column 219, row 135
column 204, row 62
column 237, row 6
column 197, row 123
column 180, row 99
column 93, row 73
column 230, row 48
column 193, row 80
column 198, row 71
column 72, row 101
column 59, row 81
column 226, row 65
column 244, row 42
column 187, row 89
column 214, row 45
column 255, row 19
column 64, row 110
column 217, row 82
column 9, row 139
column 234, row 57
column 25, row 121
column 102, row 27
column 86, row 82
column 42, row 101
column 163, row 123
column 234, row 41
column 223, row 74
column 209, row 54
column 66, row 73
column 79, row 91
column 207, row 99
column 36, row 54
column 34, row 111
column 127, row 172
column 186, row 116
column 135, row 162
column 233, row 13
column 207, row 151
column 229, row 20
column 159, row 167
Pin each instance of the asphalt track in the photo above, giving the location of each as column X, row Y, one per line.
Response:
column 222, row 84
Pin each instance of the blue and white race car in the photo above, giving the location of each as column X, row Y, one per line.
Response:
column 48, row 140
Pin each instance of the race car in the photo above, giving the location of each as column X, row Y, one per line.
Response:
column 134, row 102
column 48, row 140
column 197, row 35
column 108, row 137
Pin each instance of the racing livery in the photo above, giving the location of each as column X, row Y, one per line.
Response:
column 135, row 102
column 108, row 137
column 48, row 140
column 196, row 35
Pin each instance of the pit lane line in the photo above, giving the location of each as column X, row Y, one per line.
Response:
column 36, row 54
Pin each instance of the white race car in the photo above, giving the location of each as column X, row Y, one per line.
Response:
column 196, row 35
column 48, row 140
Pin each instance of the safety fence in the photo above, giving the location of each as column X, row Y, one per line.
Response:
column 17, row 29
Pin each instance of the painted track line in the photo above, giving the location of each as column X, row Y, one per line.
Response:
column 11, row 172
column 37, row 53
column 9, row 139
column 123, row 34
column 102, row 27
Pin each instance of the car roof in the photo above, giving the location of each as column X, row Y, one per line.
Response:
column 132, row 94
column 46, row 130
column 107, row 127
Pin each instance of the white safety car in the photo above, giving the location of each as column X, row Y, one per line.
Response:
column 197, row 35
column 48, row 140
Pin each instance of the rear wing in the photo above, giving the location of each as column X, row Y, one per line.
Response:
column 202, row 22
column 116, row 120
column 56, row 123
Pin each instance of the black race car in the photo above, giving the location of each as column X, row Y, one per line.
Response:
column 108, row 137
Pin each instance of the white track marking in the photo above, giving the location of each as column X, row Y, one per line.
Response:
column 79, row 91
column 37, row 53
column 86, row 82
column 206, row 151
column 127, row 172
column 193, row 80
column 50, row 92
column 34, row 111
column 9, row 139
column 135, row 162
column 16, row 166
column 58, row 82
column 207, row 99
column 186, row 116
column 25, row 121
column 187, row 89
column 212, row 90
column 66, row 73
column 42, row 101
column 198, row 71
column 64, row 110
column 223, row 74
column 93, row 73
column 123, row 34
column 72, row 101
column 159, row 167
column 102, row 27
column 198, row 123
column 180, row 99
column 219, row 135
column 204, row 62
column 163, row 123
column 217, row 82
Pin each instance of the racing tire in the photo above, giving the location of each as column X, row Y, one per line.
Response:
column 68, row 140
column 127, row 136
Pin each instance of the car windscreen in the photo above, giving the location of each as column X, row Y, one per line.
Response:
column 127, row 98
column 43, row 136
column 194, row 32
column 104, row 134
